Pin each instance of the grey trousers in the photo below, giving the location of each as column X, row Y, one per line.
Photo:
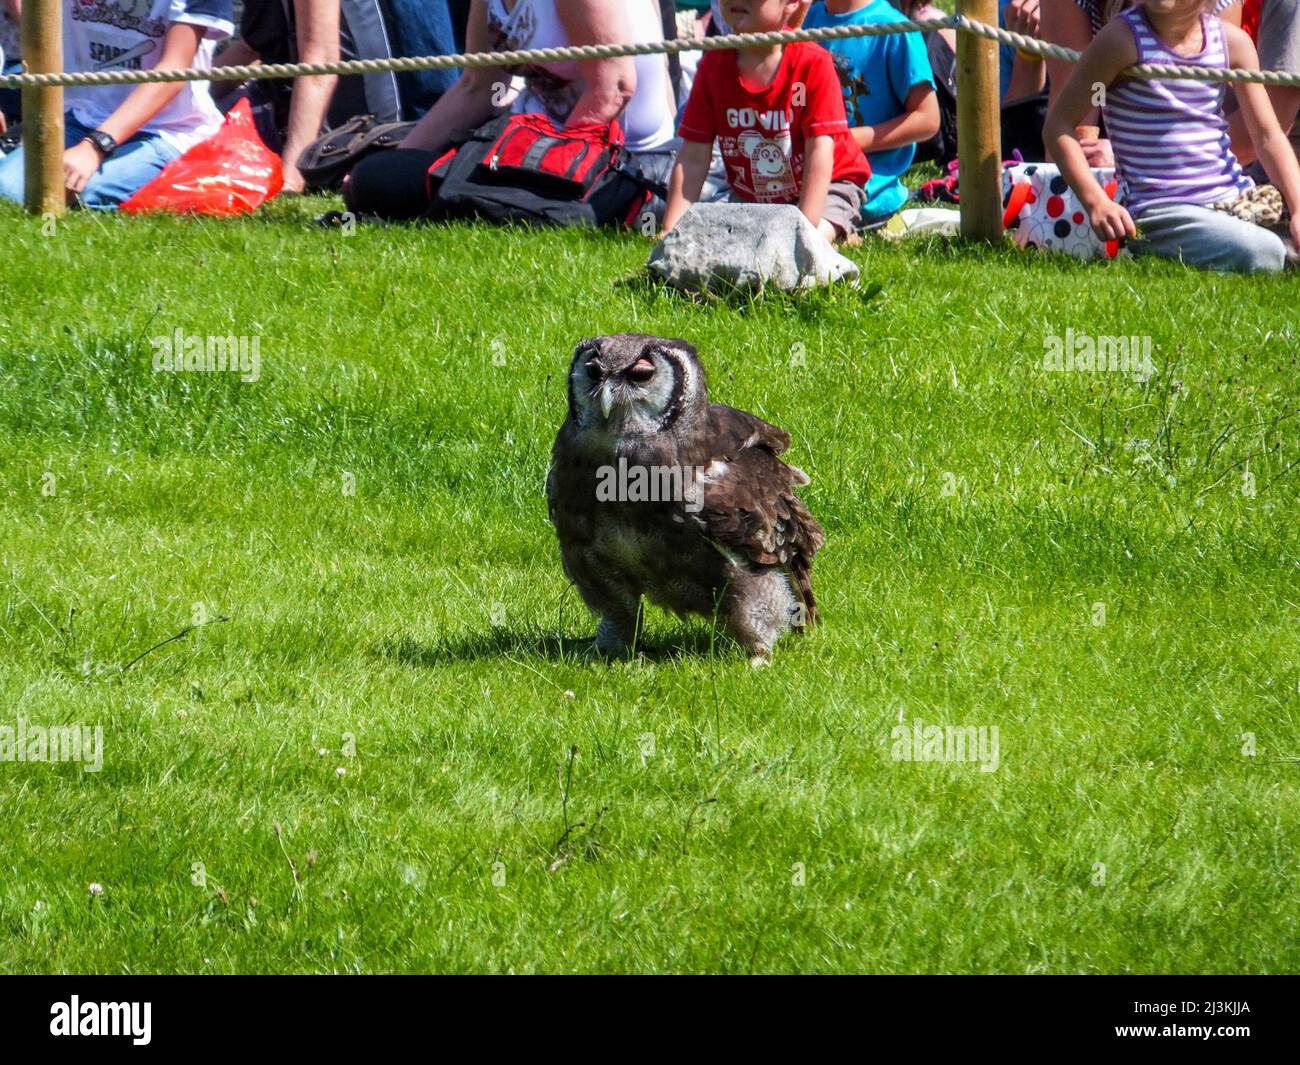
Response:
column 1208, row 239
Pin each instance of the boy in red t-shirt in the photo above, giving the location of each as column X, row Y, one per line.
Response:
column 778, row 114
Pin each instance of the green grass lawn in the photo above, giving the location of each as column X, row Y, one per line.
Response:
column 372, row 758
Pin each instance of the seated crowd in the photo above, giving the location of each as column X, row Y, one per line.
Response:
column 833, row 128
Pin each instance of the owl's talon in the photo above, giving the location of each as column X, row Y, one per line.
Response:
column 607, row 653
column 611, row 638
column 760, row 660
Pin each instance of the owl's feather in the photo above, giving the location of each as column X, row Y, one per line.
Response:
column 750, row 504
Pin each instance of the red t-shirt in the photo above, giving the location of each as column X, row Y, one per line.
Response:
column 761, row 131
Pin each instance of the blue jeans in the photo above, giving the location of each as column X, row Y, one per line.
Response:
column 1208, row 239
column 381, row 28
column 131, row 167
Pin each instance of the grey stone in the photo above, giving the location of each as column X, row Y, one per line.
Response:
column 721, row 247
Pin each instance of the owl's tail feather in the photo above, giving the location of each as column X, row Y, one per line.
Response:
column 801, row 572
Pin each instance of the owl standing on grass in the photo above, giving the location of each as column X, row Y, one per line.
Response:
column 656, row 492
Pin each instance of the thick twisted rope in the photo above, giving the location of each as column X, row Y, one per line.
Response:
column 478, row 60
column 1141, row 72
column 468, row 60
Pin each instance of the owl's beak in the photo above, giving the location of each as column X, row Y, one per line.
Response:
column 606, row 399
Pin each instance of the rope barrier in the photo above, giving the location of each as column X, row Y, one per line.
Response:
column 1141, row 72
column 478, row 60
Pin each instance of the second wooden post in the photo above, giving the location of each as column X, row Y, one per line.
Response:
column 979, row 126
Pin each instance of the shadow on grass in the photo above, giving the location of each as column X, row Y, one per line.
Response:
column 695, row 642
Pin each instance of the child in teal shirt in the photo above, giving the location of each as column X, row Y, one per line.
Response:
column 888, row 94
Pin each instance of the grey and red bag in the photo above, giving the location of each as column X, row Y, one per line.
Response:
column 522, row 168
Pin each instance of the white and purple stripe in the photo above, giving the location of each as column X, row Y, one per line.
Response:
column 1170, row 137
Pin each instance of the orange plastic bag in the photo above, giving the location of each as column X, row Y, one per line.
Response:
column 230, row 173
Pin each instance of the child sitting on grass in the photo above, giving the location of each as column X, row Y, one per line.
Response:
column 888, row 93
column 778, row 115
column 118, row 138
column 1171, row 142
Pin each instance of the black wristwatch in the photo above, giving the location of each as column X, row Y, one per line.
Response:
column 103, row 142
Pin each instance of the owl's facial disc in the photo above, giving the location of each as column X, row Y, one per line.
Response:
column 624, row 389
column 641, row 391
column 627, row 384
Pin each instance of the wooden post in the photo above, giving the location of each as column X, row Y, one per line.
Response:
column 42, row 27
column 979, row 126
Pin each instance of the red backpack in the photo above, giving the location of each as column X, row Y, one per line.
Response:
column 521, row 168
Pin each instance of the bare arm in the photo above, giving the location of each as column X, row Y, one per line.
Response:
column 318, row 42
column 1286, row 105
column 180, row 45
column 690, row 171
column 1112, row 51
column 1285, row 100
column 1028, row 76
column 919, row 121
column 608, row 83
column 82, row 160
column 236, row 54
column 818, row 165
column 1063, row 22
column 1271, row 144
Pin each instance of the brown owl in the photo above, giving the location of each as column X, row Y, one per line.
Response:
column 656, row 492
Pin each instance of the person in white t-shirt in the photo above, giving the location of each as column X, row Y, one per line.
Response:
column 637, row 91
column 118, row 137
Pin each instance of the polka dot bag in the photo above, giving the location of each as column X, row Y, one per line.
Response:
column 1045, row 213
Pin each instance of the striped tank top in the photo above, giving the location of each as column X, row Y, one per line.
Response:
column 1170, row 138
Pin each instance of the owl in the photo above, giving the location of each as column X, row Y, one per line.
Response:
column 655, row 492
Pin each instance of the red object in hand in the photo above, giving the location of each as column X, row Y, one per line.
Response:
column 230, row 173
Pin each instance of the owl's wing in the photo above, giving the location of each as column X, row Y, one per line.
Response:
column 749, row 503
column 569, row 498
column 730, row 431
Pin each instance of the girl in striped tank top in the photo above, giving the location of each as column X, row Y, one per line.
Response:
column 1170, row 140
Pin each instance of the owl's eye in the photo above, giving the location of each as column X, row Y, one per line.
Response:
column 641, row 372
column 593, row 370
